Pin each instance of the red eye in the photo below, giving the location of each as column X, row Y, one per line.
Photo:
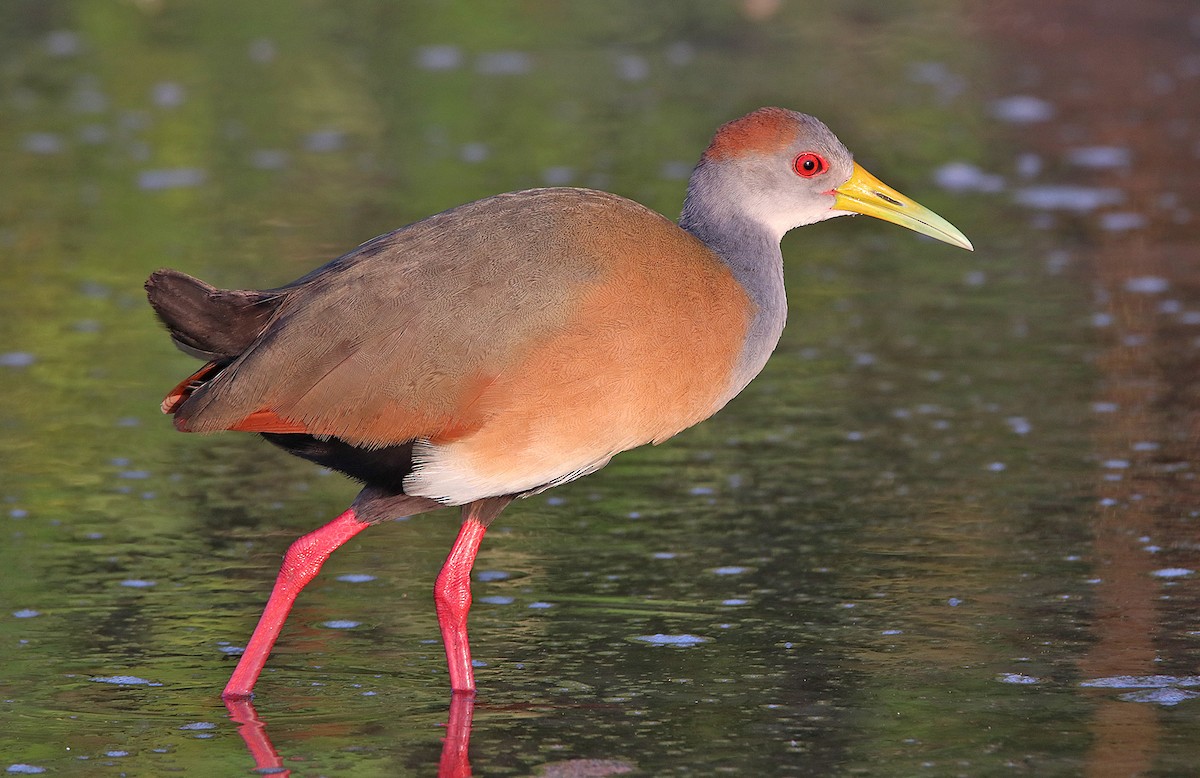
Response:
column 810, row 164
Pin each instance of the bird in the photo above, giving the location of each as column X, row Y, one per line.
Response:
column 512, row 344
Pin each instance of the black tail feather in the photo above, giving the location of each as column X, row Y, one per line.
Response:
column 206, row 322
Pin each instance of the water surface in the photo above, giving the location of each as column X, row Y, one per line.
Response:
column 951, row 530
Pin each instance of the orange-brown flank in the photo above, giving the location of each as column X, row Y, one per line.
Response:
column 648, row 351
column 622, row 329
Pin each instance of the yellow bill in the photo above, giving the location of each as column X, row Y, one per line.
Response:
column 866, row 194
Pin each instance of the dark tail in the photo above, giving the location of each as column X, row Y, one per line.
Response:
column 206, row 322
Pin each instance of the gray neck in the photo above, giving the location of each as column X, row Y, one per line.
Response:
column 752, row 254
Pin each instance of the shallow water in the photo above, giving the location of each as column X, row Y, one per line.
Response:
column 951, row 530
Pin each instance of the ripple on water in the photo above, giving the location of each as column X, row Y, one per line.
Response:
column 168, row 94
column 965, row 177
column 679, row 641
column 17, row 359
column 1147, row 285
column 1166, row 697
column 261, row 50
column 325, row 141
column 124, row 680
column 1067, row 197
column 1099, row 157
column 1172, row 572
column 1122, row 221
column 443, row 57
column 1167, row 690
column 1141, row 681
column 43, row 143
column 356, row 578
column 138, row 583
column 1019, row 425
column 171, row 178
column 504, row 63
column 1022, row 109
column 63, row 43
column 269, row 159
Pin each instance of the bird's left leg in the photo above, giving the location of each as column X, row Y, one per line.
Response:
column 452, row 592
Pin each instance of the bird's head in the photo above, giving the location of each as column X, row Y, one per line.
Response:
column 784, row 169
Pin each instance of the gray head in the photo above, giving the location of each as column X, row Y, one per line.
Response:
column 779, row 169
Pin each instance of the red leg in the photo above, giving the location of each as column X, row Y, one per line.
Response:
column 452, row 592
column 300, row 565
column 452, row 597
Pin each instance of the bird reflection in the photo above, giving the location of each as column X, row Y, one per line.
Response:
column 254, row 733
column 454, row 763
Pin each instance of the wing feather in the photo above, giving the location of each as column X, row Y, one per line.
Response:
column 394, row 340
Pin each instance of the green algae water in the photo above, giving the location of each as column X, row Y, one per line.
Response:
column 952, row 529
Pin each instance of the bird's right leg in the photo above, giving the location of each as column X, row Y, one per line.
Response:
column 301, row 564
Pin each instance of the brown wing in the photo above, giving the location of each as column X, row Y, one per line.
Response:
column 397, row 339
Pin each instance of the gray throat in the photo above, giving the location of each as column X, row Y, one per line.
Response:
column 753, row 256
